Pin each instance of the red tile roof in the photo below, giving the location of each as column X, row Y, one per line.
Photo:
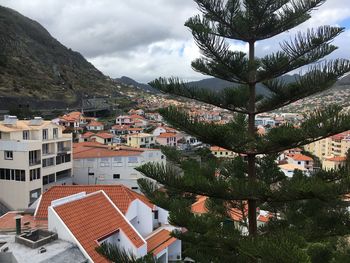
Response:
column 159, row 241
column 217, row 148
column 83, row 151
column 337, row 159
column 92, row 218
column 87, row 135
column 104, row 135
column 120, row 195
column 95, row 123
column 167, row 135
column 300, row 157
column 8, row 222
column 199, row 207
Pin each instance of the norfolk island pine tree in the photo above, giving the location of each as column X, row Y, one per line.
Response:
column 310, row 215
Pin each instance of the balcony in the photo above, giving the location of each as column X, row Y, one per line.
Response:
column 34, row 162
column 63, row 150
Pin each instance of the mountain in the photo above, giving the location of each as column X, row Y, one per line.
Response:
column 129, row 81
column 209, row 83
column 37, row 70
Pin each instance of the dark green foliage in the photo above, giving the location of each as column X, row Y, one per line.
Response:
column 309, row 218
column 115, row 254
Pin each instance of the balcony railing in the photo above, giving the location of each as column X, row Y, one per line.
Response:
column 64, row 150
column 34, row 162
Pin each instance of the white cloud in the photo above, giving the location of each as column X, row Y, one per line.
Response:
column 147, row 39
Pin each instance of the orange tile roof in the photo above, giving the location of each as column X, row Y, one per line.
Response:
column 167, row 135
column 120, row 195
column 217, row 148
column 135, row 116
column 159, row 241
column 95, row 123
column 92, row 218
column 300, row 157
column 337, row 159
column 83, row 151
column 199, row 207
column 104, row 135
column 8, row 223
column 87, row 134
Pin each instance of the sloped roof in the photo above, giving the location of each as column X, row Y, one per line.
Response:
column 337, row 159
column 95, row 124
column 199, row 207
column 92, row 218
column 217, row 148
column 300, row 157
column 167, row 135
column 120, row 195
column 95, row 150
column 159, row 241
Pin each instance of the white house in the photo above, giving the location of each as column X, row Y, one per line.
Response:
column 301, row 160
column 98, row 164
column 289, row 168
column 90, row 215
column 95, row 126
column 35, row 156
column 167, row 139
column 123, row 120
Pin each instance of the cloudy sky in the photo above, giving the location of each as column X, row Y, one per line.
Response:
column 147, row 39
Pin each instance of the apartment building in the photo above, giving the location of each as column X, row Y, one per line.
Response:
column 34, row 155
column 100, row 164
column 333, row 146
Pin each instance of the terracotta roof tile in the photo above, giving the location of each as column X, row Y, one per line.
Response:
column 167, row 135
column 300, row 157
column 337, row 159
column 159, row 241
column 8, row 223
column 120, row 195
column 92, row 218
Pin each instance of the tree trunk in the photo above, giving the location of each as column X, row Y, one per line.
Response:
column 251, row 130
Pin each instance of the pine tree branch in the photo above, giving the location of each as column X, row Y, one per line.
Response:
column 233, row 99
column 306, row 48
column 218, row 60
column 316, row 126
column 220, row 135
column 319, row 78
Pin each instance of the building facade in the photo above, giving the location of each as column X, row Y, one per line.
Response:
column 98, row 164
column 34, row 155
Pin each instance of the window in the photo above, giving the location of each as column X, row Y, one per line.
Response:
column 8, row 155
column 104, row 162
column 63, row 159
column 25, row 135
column 34, row 157
column 47, row 179
column 116, row 176
column 48, row 162
column 63, row 175
column 132, row 159
column 34, row 174
column 117, row 159
column 45, row 134
column 55, row 133
column 299, row 162
column 134, row 188
column 162, row 157
column 45, row 148
column 155, row 214
column 11, row 174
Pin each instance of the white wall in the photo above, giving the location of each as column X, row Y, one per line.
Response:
column 174, row 250
column 140, row 216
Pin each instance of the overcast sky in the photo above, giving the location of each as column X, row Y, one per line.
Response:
column 147, row 39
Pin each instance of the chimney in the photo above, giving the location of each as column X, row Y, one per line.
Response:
column 18, row 224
